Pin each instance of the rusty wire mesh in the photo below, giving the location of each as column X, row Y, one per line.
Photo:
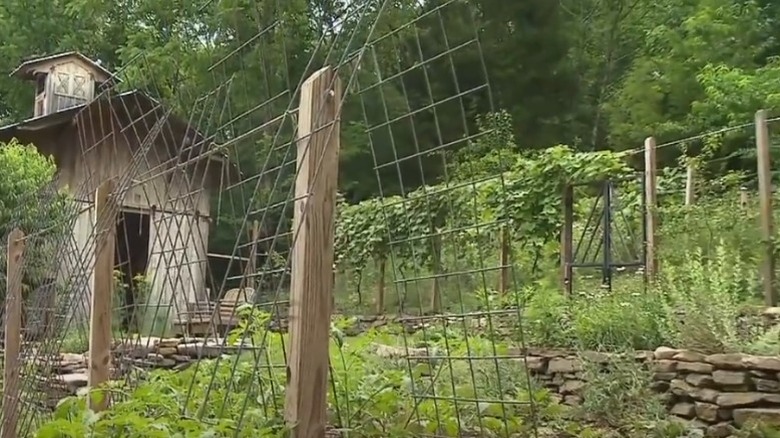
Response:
column 176, row 177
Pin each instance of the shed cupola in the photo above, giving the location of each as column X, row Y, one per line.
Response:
column 62, row 81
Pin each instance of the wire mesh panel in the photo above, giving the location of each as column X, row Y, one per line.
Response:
column 179, row 207
column 462, row 340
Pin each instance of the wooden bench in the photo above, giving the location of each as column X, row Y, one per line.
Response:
column 205, row 318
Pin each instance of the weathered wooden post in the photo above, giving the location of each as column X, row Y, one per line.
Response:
column 690, row 192
column 567, row 239
column 13, row 333
column 765, row 201
column 102, row 292
column 311, row 288
column 504, row 260
column 651, row 222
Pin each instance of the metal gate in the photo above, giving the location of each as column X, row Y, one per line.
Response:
column 608, row 239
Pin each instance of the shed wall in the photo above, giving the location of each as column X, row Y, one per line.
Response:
column 177, row 201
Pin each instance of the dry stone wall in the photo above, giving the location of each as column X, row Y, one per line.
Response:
column 718, row 392
column 70, row 372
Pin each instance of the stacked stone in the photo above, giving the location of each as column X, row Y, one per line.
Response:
column 561, row 371
column 719, row 391
column 70, row 369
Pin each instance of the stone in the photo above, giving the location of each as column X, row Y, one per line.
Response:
column 665, row 366
column 535, row 364
column 766, row 385
column 72, row 358
column 730, row 378
column 763, row 374
column 680, row 388
column 720, row 430
column 644, row 356
column 659, row 386
column 572, row 387
column 685, row 410
column 572, row 400
column 180, row 358
column 689, row 356
column 771, row 311
column 154, row 357
column 705, row 395
column 596, row 357
column 75, row 380
column 732, row 361
column 169, row 343
column 738, row 399
column 200, row 349
column 695, row 367
column 702, row 380
column 563, row 365
column 765, row 416
column 664, row 376
column 762, row 362
column 665, row 353
column 167, row 351
column 707, row 411
column 684, row 422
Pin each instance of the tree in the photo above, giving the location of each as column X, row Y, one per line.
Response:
column 30, row 200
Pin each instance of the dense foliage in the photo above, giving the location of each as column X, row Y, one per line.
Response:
column 609, row 73
column 596, row 75
column 30, row 201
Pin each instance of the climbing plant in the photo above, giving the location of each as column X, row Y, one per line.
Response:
column 526, row 200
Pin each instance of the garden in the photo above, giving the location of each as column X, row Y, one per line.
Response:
column 449, row 297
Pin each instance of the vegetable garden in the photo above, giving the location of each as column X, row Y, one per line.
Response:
column 433, row 309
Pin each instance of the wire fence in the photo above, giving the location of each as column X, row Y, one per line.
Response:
column 146, row 179
column 196, row 234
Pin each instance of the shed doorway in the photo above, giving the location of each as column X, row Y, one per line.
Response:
column 131, row 260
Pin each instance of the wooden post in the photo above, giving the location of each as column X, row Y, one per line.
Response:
column 651, row 221
column 436, row 245
column 744, row 198
column 765, row 201
column 689, row 187
column 503, row 280
column 252, row 268
column 380, row 292
column 13, row 333
column 311, row 288
column 102, row 292
column 567, row 239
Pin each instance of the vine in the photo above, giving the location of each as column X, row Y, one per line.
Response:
column 525, row 201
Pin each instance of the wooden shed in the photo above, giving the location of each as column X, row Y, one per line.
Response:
column 165, row 169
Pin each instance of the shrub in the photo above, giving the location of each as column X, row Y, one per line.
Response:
column 617, row 320
column 703, row 297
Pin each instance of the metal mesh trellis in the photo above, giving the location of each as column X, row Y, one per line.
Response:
column 201, row 216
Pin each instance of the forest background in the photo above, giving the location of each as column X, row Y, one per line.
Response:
column 590, row 74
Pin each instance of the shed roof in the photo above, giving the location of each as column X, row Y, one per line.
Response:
column 27, row 68
column 134, row 105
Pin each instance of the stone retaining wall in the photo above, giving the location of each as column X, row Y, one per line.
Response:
column 714, row 392
column 71, row 374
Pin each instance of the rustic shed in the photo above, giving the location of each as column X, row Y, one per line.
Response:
column 166, row 170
